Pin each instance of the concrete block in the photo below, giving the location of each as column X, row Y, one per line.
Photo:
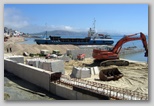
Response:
column 58, row 66
column 46, row 66
column 92, row 71
column 65, row 58
column 33, row 62
column 50, row 65
column 40, row 64
column 96, row 70
column 80, row 72
column 18, row 59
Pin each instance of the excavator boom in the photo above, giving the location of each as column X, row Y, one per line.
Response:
column 129, row 38
column 145, row 45
column 114, row 53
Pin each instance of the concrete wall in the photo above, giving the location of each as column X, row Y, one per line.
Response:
column 41, row 78
column 74, row 53
column 88, row 51
column 69, row 93
column 18, row 59
column 31, row 74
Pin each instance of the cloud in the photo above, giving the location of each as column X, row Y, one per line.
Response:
column 34, row 28
column 68, row 28
column 60, row 27
column 14, row 19
column 40, row 28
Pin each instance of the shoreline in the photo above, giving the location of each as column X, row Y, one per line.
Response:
column 19, row 49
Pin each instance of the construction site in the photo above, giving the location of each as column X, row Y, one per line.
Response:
column 81, row 72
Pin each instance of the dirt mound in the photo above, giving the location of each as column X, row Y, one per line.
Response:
column 18, row 49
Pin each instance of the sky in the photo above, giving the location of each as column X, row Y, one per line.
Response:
column 110, row 18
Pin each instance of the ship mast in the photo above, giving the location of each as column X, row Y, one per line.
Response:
column 46, row 30
column 94, row 24
column 91, row 31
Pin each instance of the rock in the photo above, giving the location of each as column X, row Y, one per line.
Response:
column 25, row 54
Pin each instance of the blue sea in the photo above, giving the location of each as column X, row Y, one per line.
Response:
column 135, row 57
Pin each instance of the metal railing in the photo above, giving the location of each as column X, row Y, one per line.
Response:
column 102, row 89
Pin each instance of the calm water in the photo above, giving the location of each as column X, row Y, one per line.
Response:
column 136, row 56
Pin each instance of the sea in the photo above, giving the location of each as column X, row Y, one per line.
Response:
column 134, row 57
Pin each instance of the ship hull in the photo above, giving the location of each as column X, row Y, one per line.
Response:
column 79, row 42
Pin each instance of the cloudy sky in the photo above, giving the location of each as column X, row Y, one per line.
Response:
column 115, row 18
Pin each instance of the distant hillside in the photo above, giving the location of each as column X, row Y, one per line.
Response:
column 71, row 33
column 60, row 32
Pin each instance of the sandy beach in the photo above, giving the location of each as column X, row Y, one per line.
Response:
column 18, row 49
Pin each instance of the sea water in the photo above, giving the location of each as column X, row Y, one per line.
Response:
column 135, row 56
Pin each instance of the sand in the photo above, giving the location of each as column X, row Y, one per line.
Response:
column 19, row 49
column 135, row 76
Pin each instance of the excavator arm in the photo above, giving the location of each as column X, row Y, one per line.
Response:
column 112, row 56
column 116, row 49
column 145, row 45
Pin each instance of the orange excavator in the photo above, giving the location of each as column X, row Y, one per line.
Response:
column 111, row 57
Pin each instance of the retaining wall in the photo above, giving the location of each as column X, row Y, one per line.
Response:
column 69, row 93
column 88, row 52
column 74, row 53
column 31, row 74
column 41, row 78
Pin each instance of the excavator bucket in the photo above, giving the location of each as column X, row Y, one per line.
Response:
column 110, row 73
column 146, row 54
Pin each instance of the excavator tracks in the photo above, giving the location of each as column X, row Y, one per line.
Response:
column 116, row 62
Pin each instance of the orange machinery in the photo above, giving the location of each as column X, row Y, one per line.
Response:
column 112, row 54
column 80, row 56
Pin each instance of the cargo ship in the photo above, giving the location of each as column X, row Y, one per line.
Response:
column 93, row 38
